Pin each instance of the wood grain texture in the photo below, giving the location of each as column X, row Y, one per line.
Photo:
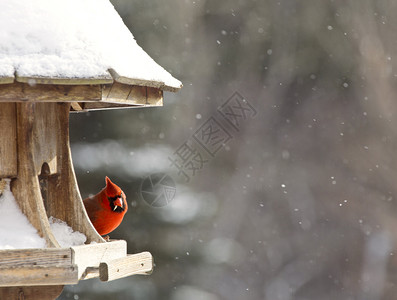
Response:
column 138, row 94
column 31, row 292
column 37, row 275
column 120, row 93
column 26, row 187
column 17, row 266
column 36, row 257
column 134, row 81
column 6, row 79
column 92, row 255
column 8, row 140
column 76, row 106
column 48, row 135
column 149, row 83
column 64, row 199
column 43, row 140
column 154, row 97
column 64, row 80
column 3, row 185
column 90, row 106
column 141, row 263
column 22, row 92
column 35, row 144
column 83, row 97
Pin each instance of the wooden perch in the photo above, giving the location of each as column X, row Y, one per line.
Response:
column 60, row 266
column 141, row 263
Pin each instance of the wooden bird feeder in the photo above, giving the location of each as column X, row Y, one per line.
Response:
column 35, row 103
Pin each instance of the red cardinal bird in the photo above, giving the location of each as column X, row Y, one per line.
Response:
column 107, row 208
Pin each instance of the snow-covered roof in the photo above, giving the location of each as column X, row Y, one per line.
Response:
column 73, row 42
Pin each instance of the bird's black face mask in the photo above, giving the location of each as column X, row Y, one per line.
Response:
column 117, row 203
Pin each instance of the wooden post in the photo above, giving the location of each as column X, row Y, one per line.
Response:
column 8, row 140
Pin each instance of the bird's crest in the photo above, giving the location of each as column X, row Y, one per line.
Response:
column 112, row 190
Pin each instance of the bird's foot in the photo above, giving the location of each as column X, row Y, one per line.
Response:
column 106, row 238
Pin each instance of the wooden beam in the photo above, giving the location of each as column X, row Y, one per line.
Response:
column 35, row 257
column 64, row 199
column 89, row 106
column 8, row 140
column 123, row 94
column 76, row 106
column 22, row 92
column 154, row 97
column 141, row 263
column 26, row 186
column 38, row 275
column 83, row 97
column 138, row 94
column 3, row 185
column 119, row 93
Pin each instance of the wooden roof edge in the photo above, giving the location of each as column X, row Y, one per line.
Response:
column 6, row 79
column 112, row 77
column 64, row 80
column 142, row 82
column 116, row 93
column 92, row 106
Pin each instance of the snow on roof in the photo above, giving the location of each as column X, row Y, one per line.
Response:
column 81, row 41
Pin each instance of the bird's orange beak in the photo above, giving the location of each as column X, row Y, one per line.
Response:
column 118, row 202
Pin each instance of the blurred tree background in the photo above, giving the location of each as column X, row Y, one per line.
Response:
column 301, row 202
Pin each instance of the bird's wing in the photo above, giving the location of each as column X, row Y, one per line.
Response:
column 91, row 206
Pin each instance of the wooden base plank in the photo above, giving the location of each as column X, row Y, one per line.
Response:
column 38, row 275
column 35, row 257
column 59, row 266
column 31, row 292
